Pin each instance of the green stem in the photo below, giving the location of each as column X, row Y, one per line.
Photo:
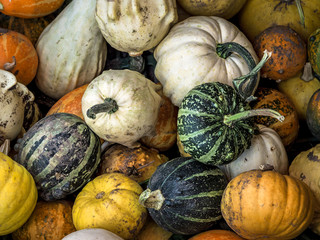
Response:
column 230, row 119
column 300, row 10
column 109, row 106
column 151, row 199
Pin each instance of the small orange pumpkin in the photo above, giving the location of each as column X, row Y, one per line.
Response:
column 18, row 55
column 216, row 234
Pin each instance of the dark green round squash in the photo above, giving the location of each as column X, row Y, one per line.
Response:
column 313, row 114
column 183, row 195
column 61, row 152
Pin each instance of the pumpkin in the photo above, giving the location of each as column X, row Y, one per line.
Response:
column 18, row 195
column 62, row 71
column 29, row 8
column 152, row 231
column 110, row 201
column 61, row 152
column 198, row 50
column 314, row 50
column 18, row 55
column 70, row 102
column 312, row 116
column 49, row 221
column 256, row 16
column 216, row 234
column 266, row 151
column 267, row 205
column 121, row 106
column 14, row 97
column 135, row 26
column 299, row 90
column 289, row 52
column 183, row 196
column 136, row 163
column 271, row 98
column 92, row 234
column 219, row 8
column 215, row 123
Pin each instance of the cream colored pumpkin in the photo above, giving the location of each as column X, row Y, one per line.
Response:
column 135, row 110
column 188, row 56
column 92, row 234
column 266, row 151
column 71, row 50
column 135, row 26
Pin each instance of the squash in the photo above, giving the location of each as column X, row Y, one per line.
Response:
column 197, row 50
column 271, row 98
column 61, row 152
column 92, row 234
column 32, row 114
column 289, row 52
column 18, row 195
column 49, row 221
column 220, row 8
column 216, row 234
column 110, row 201
column 29, row 8
column 267, row 205
column 266, row 151
column 299, row 89
column 121, row 106
column 314, row 50
column 137, row 163
column 62, row 71
column 18, row 55
column 135, row 26
column 152, row 231
column 256, row 16
column 183, row 196
column 313, row 113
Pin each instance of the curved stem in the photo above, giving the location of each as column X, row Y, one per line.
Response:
column 151, row 199
column 300, row 10
column 10, row 65
column 108, row 106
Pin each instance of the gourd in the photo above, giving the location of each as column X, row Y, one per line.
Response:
column 135, row 26
column 61, row 152
column 18, row 55
column 92, row 234
column 152, row 231
column 266, row 151
column 254, row 196
column 216, row 234
column 30, row 8
column 183, row 196
column 14, row 97
column 314, row 50
column 256, row 16
column 18, row 195
column 49, row 221
column 313, row 113
column 121, row 106
column 202, row 49
column 110, row 201
column 75, row 29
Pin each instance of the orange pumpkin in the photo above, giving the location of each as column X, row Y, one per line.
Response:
column 289, row 52
column 18, row 55
column 216, row 234
column 29, row 8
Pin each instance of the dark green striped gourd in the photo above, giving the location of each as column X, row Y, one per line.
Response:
column 183, row 195
column 61, row 152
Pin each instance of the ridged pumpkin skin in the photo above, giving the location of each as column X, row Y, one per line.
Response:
column 313, row 114
column 29, row 8
column 18, row 195
column 216, row 235
column 18, row 55
column 110, row 201
column 314, row 50
column 49, row 221
column 92, row 234
column 267, row 205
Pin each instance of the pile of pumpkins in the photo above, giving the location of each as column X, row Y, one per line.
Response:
column 158, row 120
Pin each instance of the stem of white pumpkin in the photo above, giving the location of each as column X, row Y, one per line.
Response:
column 151, row 199
column 300, row 10
column 229, row 119
column 108, row 106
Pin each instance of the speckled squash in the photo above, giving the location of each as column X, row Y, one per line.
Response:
column 313, row 114
column 314, row 50
column 49, row 221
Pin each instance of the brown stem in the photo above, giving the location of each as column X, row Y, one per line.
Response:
column 10, row 65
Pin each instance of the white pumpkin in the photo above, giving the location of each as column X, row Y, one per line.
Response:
column 188, row 56
column 134, row 26
column 14, row 96
column 71, row 50
column 266, row 150
column 134, row 106
column 92, row 234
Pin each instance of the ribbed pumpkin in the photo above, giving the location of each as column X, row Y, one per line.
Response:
column 61, row 152
column 18, row 55
column 314, row 50
column 216, row 234
column 267, row 205
column 92, row 234
column 18, row 195
column 183, row 195
column 49, row 221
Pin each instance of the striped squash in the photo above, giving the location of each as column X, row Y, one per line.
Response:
column 183, row 195
column 61, row 152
